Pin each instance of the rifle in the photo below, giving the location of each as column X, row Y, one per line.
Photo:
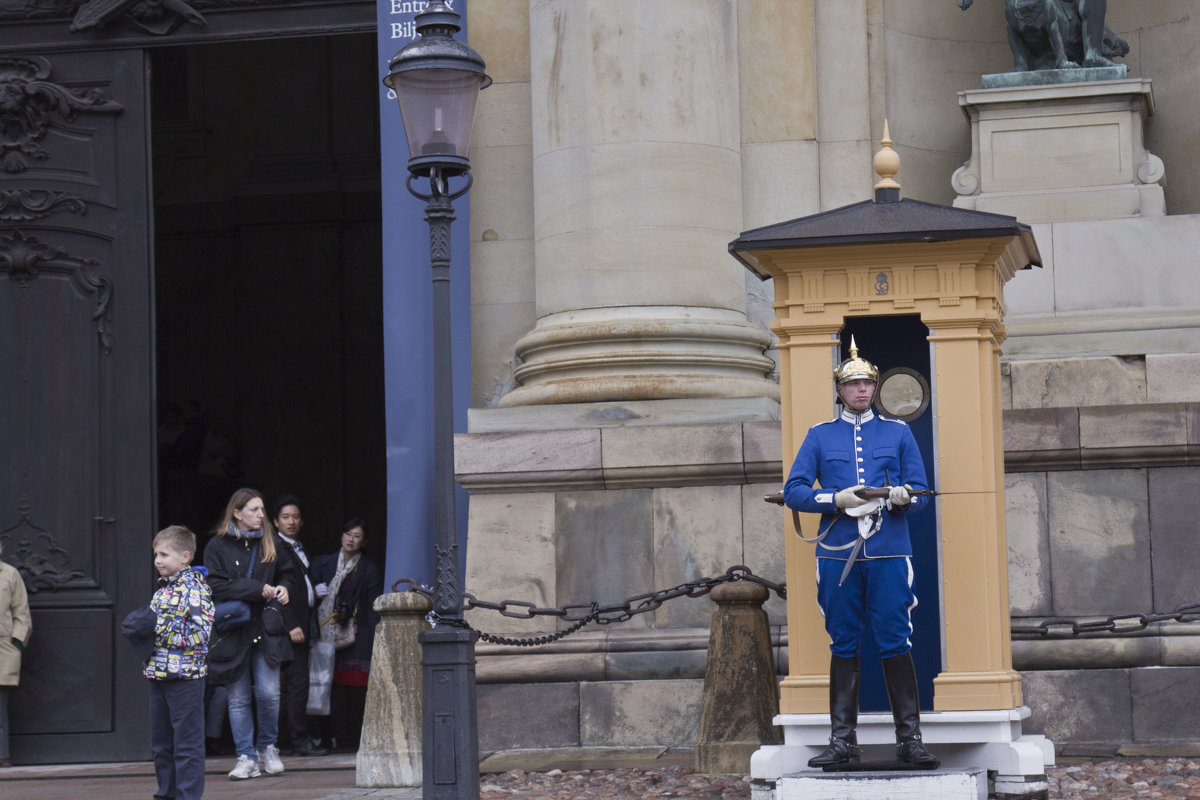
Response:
column 866, row 493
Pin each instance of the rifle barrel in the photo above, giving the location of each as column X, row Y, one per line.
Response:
column 868, row 493
column 881, row 492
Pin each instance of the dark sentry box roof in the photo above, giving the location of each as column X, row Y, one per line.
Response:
column 885, row 219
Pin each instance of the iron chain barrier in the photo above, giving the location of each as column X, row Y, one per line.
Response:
column 1057, row 627
column 581, row 614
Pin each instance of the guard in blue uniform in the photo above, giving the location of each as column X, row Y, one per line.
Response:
column 864, row 556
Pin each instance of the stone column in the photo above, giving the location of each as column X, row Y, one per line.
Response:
column 637, row 191
column 390, row 751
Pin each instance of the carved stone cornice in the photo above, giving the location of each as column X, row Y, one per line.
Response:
column 29, row 103
column 38, row 27
column 24, row 258
column 155, row 17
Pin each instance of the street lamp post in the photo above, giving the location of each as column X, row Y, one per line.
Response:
column 437, row 80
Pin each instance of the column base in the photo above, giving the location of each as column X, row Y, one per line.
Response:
column 970, row 691
column 642, row 353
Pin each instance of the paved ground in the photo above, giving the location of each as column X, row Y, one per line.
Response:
column 560, row 775
column 331, row 777
column 305, row 779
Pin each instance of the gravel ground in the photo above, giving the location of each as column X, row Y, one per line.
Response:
column 611, row 784
column 1127, row 777
column 332, row 778
column 1177, row 778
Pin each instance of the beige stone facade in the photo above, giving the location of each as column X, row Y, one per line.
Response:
column 626, row 419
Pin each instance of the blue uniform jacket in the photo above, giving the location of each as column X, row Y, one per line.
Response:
column 848, row 450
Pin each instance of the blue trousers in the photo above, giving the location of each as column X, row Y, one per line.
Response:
column 177, row 738
column 879, row 589
column 263, row 680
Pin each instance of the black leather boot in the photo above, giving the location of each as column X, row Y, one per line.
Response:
column 843, row 714
column 901, row 678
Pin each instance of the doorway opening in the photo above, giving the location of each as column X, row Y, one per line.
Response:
column 892, row 343
column 269, row 329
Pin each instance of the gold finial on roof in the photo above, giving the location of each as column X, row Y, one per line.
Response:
column 887, row 162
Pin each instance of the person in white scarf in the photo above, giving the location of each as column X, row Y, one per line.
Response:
column 331, row 618
column 348, row 584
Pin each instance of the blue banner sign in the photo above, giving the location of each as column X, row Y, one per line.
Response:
column 408, row 325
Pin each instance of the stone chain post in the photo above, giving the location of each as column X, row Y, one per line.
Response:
column 741, row 695
column 389, row 752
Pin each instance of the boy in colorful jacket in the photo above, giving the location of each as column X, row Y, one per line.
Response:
column 183, row 610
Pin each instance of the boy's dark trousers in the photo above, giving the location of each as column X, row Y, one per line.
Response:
column 177, row 738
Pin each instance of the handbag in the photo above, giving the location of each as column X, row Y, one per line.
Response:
column 343, row 634
column 273, row 622
column 230, row 614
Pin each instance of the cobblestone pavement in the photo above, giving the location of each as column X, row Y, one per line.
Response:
column 1109, row 779
column 610, row 784
column 1127, row 777
column 332, row 778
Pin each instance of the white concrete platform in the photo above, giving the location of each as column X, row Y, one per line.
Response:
column 957, row 784
column 962, row 740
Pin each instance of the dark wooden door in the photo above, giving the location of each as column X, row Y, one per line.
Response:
column 76, row 386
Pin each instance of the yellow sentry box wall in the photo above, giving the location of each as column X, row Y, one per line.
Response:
column 948, row 266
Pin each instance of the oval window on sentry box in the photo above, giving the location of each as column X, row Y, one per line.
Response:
column 903, row 393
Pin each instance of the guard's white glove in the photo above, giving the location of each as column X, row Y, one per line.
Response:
column 899, row 495
column 321, row 589
column 848, row 498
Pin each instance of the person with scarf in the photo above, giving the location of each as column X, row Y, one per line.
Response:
column 245, row 571
column 348, row 584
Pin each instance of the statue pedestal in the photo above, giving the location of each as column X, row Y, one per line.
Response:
column 1061, row 152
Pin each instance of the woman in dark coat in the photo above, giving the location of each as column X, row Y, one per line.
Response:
column 348, row 584
column 243, row 565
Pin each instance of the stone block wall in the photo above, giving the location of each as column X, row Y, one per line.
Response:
column 1102, row 458
column 630, row 505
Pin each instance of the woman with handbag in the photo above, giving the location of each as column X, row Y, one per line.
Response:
column 244, row 570
column 348, row 584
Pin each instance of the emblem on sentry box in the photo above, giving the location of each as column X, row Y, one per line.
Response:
column 881, row 284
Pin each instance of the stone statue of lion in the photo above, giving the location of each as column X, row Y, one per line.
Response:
column 1059, row 34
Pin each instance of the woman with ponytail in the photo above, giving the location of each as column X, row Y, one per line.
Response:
column 245, row 573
